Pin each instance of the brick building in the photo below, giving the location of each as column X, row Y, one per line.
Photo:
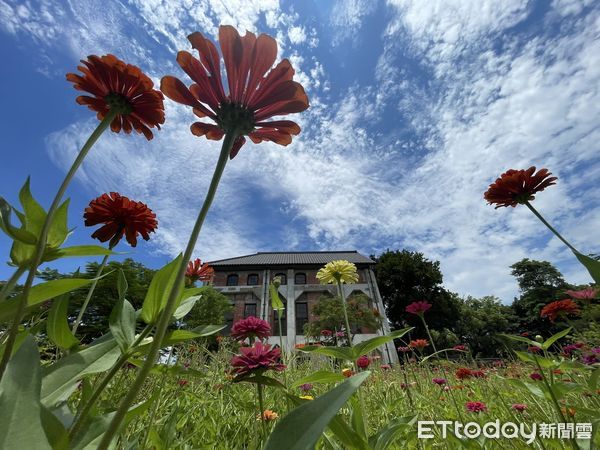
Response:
column 245, row 280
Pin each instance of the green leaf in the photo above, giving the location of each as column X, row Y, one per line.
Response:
column 387, row 435
column 55, row 431
column 321, row 376
column 207, row 330
column 20, row 409
column 185, row 307
column 521, row 339
column 545, row 363
column 303, row 426
column 122, row 324
column 21, row 254
column 60, row 379
column 552, row 339
column 593, row 381
column 276, row 302
column 158, row 292
column 17, row 234
column 42, row 292
column 122, row 285
column 346, row 434
column 344, row 353
column 57, row 325
column 35, row 215
column 260, row 379
column 357, row 419
column 367, row 346
column 82, row 250
column 58, row 231
column 591, row 265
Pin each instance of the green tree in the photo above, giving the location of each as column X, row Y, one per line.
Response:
column 540, row 283
column 404, row 277
column 481, row 320
column 211, row 309
column 330, row 315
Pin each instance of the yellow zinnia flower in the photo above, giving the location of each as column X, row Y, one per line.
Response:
column 340, row 271
column 307, row 397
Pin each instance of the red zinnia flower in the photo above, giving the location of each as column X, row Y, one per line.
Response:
column 476, row 407
column 478, row 373
column 463, row 373
column 254, row 95
column 418, row 343
column 250, row 327
column 121, row 217
column 326, row 333
column 258, row 358
column 363, row 362
column 583, row 294
column 198, row 271
column 115, row 84
column 518, row 186
column 559, row 308
column 418, row 308
column 182, row 383
column 534, row 349
column 519, row 407
column 460, row 347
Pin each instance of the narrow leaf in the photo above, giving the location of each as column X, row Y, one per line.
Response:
column 591, row 265
column 59, row 230
column 82, row 250
column 321, row 376
column 367, row 346
column 57, row 325
column 552, row 339
column 344, row 353
column 185, row 307
column 302, row 427
column 122, row 285
column 17, row 234
column 158, row 292
column 276, row 302
column 34, row 213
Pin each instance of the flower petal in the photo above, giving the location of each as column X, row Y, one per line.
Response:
column 263, row 57
column 210, row 59
column 209, row 130
column 233, row 52
column 237, row 146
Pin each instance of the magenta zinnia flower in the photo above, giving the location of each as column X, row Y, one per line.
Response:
column 476, row 407
column 363, row 362
column 536, row 376
column 250, row 328
column 519, row 407
column 418, row 308
column 583, row 294
column 460, row 347
column 258, row 358
column 439, row 381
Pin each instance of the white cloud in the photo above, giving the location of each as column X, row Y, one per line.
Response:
column 297, row 35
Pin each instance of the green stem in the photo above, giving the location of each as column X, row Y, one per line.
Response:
column 167, row 313
column 343, row 297
column 41, row 242
column 8, row 286
column 261, row 406
column 84, row 411
column 550, row 227
column 89, row 294
column 428, row 333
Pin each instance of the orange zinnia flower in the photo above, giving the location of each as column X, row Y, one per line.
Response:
column 518, row 186
column 559, row 308
column 121, row 217
column 115, row 84
column 198, row 271
column 254, row 95
column 419, row 343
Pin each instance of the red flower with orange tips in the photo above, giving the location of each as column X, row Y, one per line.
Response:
column 198, row 271
column 256, row 92
column 518, row 186
column 117, row 85
column 419, row 344
column 121, row 217
column 560, row 308
column 463, row 373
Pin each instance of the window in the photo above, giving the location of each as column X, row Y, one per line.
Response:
column 252, row 279
column 232, row 280
column 300, row 278
column 282, row 277
column 276, row 322
column 228, row 323
column 249, row 310
column 301, row 317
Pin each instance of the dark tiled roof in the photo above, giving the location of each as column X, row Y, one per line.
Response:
column 293, row 258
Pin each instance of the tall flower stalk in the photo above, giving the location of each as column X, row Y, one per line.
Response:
column 124, row 99
column 256, row 92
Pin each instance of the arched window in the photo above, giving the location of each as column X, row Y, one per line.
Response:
column 301, row 316
column 300, row 278
column 282, row 277
column 252, row 279
column 232, row 280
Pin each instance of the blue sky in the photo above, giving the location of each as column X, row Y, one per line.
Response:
column 416, row 106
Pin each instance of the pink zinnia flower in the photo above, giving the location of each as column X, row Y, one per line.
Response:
column 306, row 387
column 258, row 358
column 439, row 381
column 404, row 349
column 583, row 294
column 476, row 407
column 363, row 362
column 460, row 347
column 519, row 407
column 250, row 327
column 418, row 308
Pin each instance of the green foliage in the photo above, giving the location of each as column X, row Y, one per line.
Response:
column 210, row 309
column 330, row 315
column 158, row 291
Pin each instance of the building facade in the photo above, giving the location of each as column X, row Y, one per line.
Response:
column 245, row 280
